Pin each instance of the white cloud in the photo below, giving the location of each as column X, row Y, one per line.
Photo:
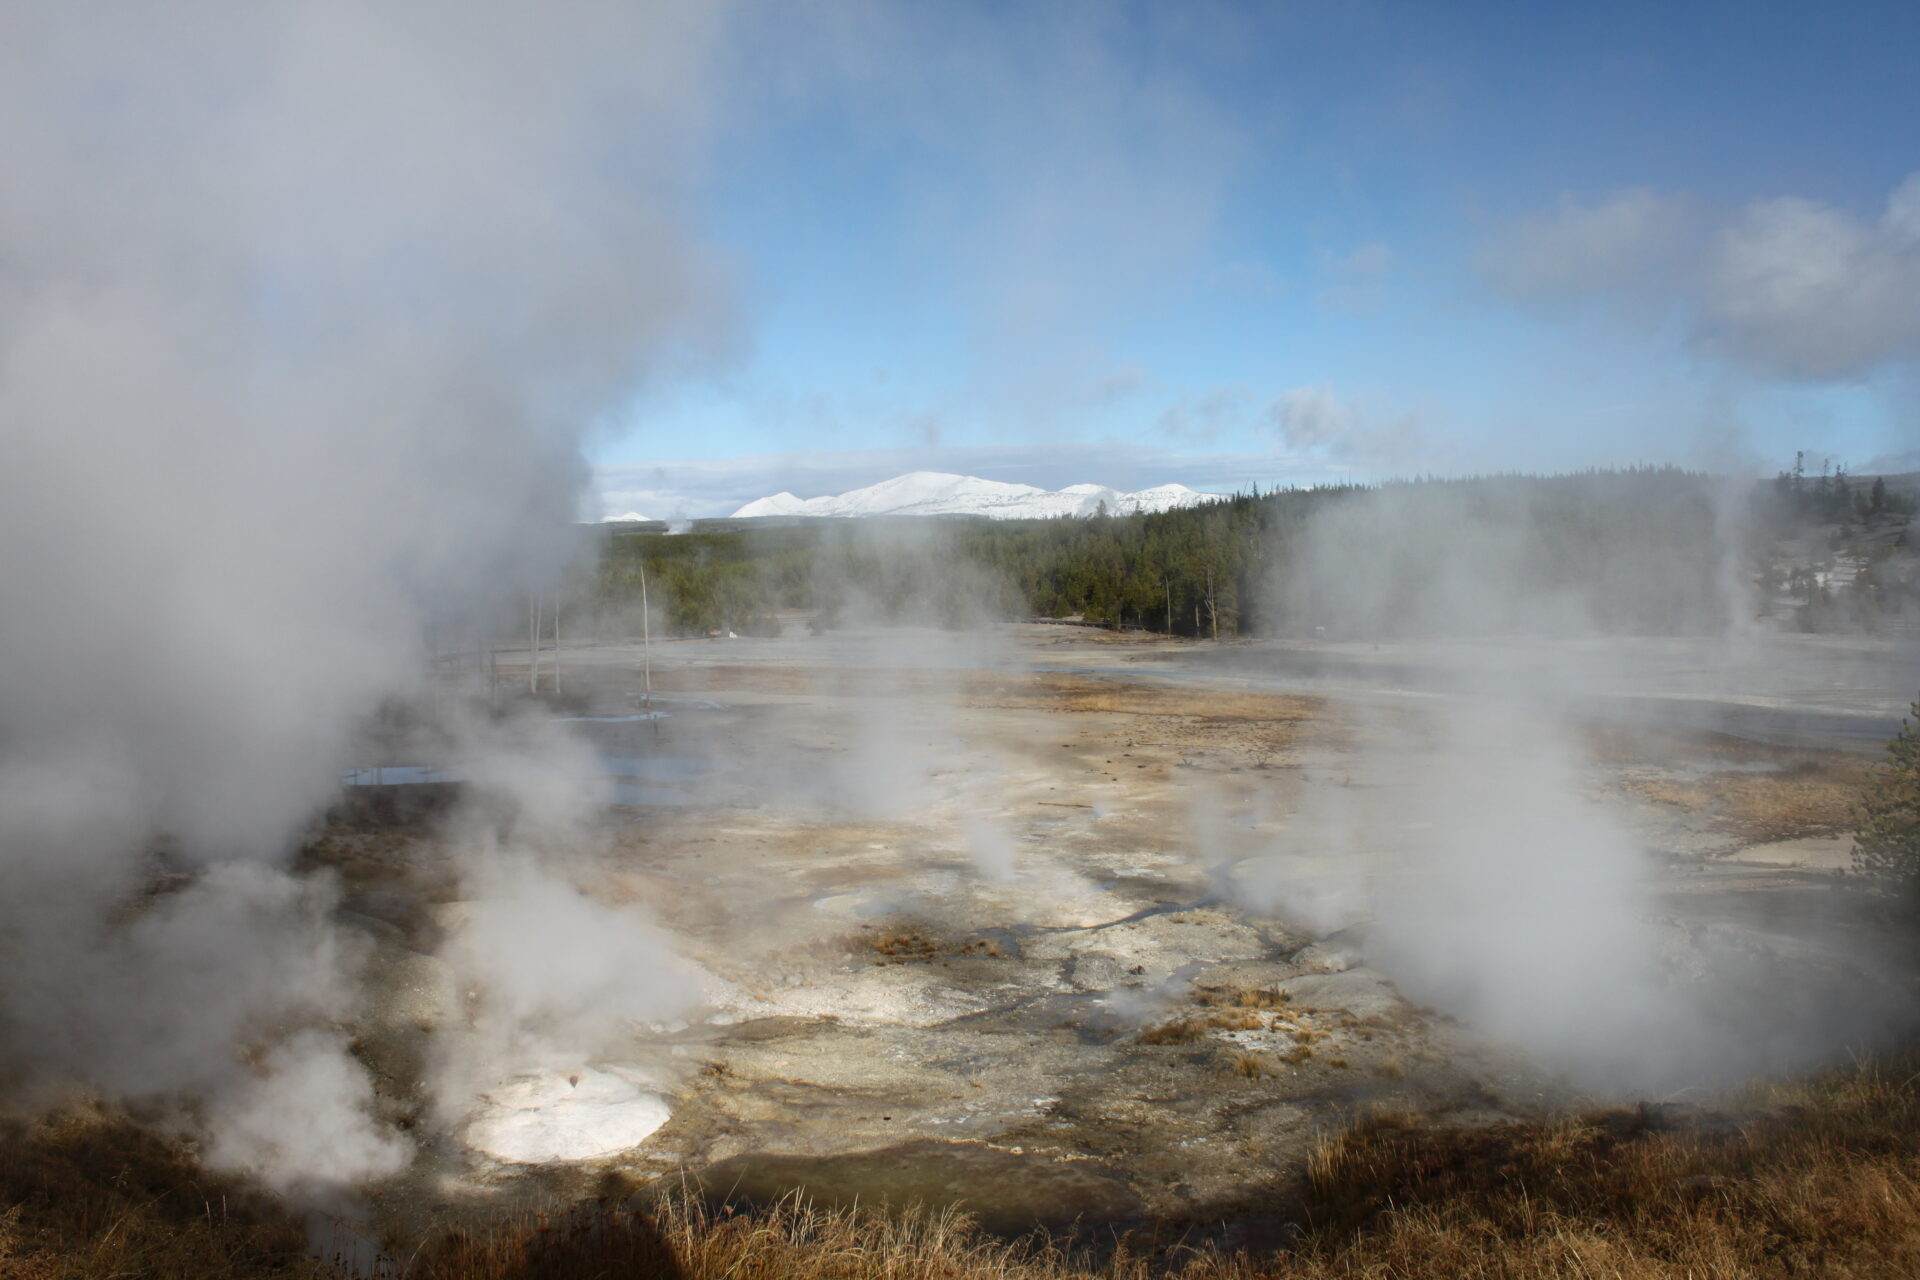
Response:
column 1365, row 433
column 1811, row 292
column 1788, row 287
column 1203, row 417
column 1311, row 417
column 1629, row 244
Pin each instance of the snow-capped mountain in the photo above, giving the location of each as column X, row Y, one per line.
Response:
column 938, row 493
column 631, row 516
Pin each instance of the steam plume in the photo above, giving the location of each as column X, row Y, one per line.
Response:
column 300, row 308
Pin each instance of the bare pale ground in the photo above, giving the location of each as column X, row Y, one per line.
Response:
column 972, row 915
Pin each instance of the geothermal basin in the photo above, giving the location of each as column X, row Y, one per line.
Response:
column 1121, row 924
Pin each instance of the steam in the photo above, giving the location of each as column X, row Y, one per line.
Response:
column 301, row 307
column 1462, row 834
column 1520, row 909
column 304, row 1123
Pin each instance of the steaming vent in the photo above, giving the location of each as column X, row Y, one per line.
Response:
column 568, row 1116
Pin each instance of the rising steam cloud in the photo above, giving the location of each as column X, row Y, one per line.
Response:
column 1464, row 836
column 300, row 308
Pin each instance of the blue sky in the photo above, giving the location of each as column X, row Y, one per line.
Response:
column 1282, row 243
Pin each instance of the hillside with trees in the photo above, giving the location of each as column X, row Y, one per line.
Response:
column 1639, row 551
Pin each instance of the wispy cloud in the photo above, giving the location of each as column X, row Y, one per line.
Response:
column 1366, row 433
column 1203, row 417
column 1787, row 287
column 1056, row 174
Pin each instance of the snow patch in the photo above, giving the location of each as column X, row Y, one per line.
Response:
column 940, row 493
column 778, row 504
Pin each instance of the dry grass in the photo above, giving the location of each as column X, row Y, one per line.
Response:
column 82, row 1197
column 1765, row 807
column 1254, row 1066
column 1824, row 1181
column 1809, row 795
column 1179, row 1031
column 1819, row 1178
column 686, row 1239
column 1195, row 1027
column 1224, row 1009
column 1082, row 693
column 1241, row 998
column 904, row 948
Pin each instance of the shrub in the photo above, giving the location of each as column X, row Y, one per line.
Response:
column 1886, row 850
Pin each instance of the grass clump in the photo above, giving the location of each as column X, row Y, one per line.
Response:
column 1815, row 1177
column 1221, row 1009
column 1179, row 1031
column 1253, row 1066
column 1241, row 998
column 83, row 1196
column 1824, row 1181
column 904, row 948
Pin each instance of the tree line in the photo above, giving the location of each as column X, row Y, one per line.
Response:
column 1656, row 550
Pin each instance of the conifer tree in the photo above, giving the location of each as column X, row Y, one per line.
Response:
column 1886, row 849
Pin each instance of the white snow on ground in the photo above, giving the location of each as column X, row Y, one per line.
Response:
column 778, row 504
column 568, row 1116
column 939, row 493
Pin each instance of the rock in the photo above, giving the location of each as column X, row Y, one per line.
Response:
column 1360, row 992
column 1156, row 946
column 1321, row 957
column 1098, row 971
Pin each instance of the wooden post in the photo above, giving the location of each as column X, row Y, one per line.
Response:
column 533, row 643
column 646, row 640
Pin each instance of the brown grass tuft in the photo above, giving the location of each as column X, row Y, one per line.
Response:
column 85, row 1196
column 1820, row 1177
column 904, row 948
column 1240, row 998
column 1179, row 1031
column 1811, row 798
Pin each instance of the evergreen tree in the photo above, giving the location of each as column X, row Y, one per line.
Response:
column 1886, row 849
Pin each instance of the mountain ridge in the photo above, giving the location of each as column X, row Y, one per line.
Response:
column 946, row 493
